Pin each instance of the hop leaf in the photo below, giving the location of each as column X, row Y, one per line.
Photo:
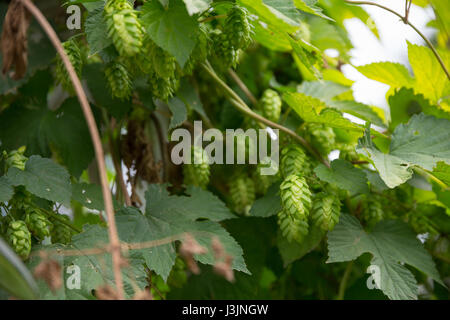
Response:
column 242, row 192
column 76, row 59
column 294, row 161
column 38, row 224
column 118, row 79
column 19, row 237
column 61, row 233
column 197, row 173
column 271, row 104
column 123, row 27
column 326, row 210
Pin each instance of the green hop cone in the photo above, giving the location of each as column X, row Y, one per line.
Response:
column 226, row 54
column 292, row 227
column 237, row 28
column 296, row 203
column 162, row 88
column 201, row 50
column 347, row 152
column 197, row 173
column 118, row 79
column 422, row 224
column 263, row 182
column 76, row 59
column 372, row 212
column 242, row 193
column 271, row 105
column 326, row 210
column 295, row 196
column 19, row 237
column 164, row 64
column 38, row 224
column 321, row 137
column 123, row 27
column 294, row 161
column 15, row 159
column 61, row 233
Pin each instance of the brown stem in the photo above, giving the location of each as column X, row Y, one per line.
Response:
column 99, row 154
column 406, row 21
column 243, row 87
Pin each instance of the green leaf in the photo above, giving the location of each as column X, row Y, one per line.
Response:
column 96, row 31
column 393, row 170
column 196, row 6
column 171, row 216
column 6, row 190
column 269, row 204
column 309, row 6
column 291, row 251
column 14, row 276
column 270, row 37
column 307, row 55
column 94, row 270
column 313, row 110
column 190, row 97
column 344, row 175
column 88, row 195
column 393, row 74
column 179, row 112
column 391, row 243
column 357, row 109
column 423, row 141
column 68, row 135
column 172, row 29
column 284, row 7
column 270, row 15
column 442, row 172
column 431, row 79
column 43, row 178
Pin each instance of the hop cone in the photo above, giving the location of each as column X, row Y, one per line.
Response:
column 38, row 224
column 293, row 161
column 242, row 192
column 322, row 137
column 271, row 104
column 123, row 27
column 197, row 173
column 372, row 212
column 61, row 233
column 237, row 28
column 76, row 59
column 200, row 52
column 15, row 159
column 326, row 210
column 119, row 80
column 19, row 237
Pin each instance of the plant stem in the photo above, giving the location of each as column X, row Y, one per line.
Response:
column 61, row 220
column 242, row 106
column 406, row 21
column 427, row 174
column 243, row 87
column 343, row 283
column 93, row 130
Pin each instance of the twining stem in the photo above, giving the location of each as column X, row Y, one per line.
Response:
column 242, row 106
column 431, row 176
column 61, row 220
column 406, row 21
column 243, row 87
column 344, row 281
column 99, row 154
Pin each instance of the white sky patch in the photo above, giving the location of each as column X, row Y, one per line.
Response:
column 392, row 46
